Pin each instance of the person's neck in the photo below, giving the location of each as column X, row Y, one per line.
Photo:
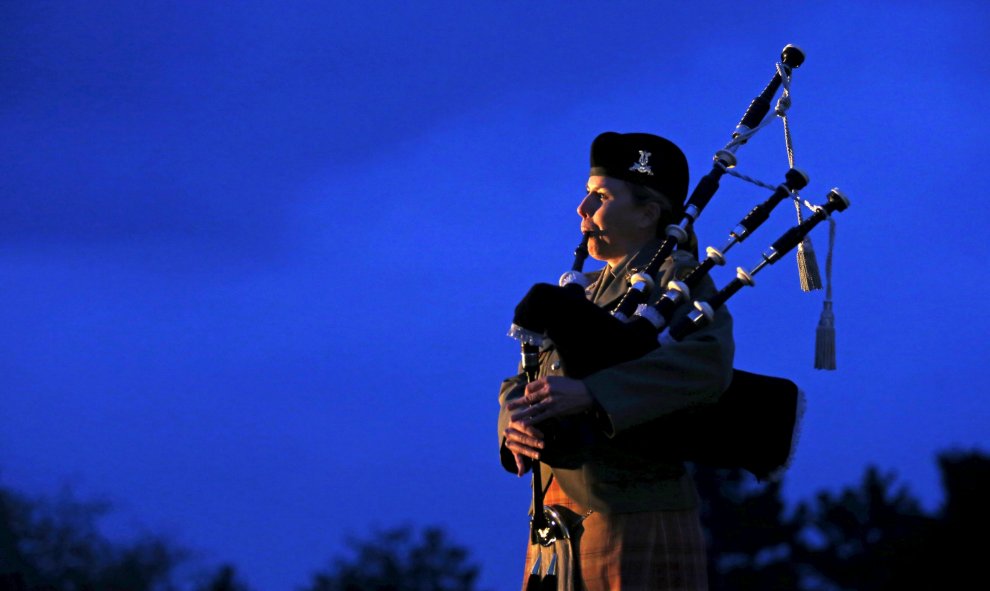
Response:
column 618, row 261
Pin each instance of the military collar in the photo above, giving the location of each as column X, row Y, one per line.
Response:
column 612, row 283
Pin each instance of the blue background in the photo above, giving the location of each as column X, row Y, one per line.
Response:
column 259, row 258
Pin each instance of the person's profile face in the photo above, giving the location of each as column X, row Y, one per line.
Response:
column 610, row 208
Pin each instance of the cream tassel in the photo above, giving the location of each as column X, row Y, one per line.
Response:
column 808, row 273
column 811, row 277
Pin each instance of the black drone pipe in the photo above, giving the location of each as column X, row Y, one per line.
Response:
column 791, row 57
column 678, row 292
column 704, row 311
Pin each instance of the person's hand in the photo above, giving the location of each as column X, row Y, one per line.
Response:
column 545, row 398
column 525, row 442
column 550, row 397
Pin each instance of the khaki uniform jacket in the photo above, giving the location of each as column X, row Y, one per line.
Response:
column 618, row 472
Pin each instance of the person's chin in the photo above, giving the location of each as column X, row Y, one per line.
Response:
column 599, row 254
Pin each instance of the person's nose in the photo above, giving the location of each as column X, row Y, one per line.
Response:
column 588, row 206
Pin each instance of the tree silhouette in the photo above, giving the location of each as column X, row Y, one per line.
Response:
column 225, row 579
column 872, row 536
column 863, row 537
column 953, row 551
column 58, row 545
column 966, row 481
column 399, row 560
column 748, row 535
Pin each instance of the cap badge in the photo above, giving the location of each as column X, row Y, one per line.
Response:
column 644, row 163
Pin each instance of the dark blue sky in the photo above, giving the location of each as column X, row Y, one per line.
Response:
column 259, row 261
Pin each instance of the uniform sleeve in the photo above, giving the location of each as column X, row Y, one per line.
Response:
column 670, row 378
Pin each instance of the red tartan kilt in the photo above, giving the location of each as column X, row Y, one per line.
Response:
column 651, row 551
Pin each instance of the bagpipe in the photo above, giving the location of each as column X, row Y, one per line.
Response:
column 752, row 424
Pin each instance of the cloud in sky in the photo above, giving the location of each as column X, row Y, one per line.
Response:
column 189, row 122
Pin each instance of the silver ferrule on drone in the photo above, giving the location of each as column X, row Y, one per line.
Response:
column 700, row 317
column 650, row 313
column 745, row 277
column 570, row 277
column 526, row 336
column 717, row 256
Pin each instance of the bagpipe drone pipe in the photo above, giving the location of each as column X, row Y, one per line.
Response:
column 751, row 426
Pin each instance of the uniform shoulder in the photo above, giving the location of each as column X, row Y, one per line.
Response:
column 679, row 264
column 593, row 276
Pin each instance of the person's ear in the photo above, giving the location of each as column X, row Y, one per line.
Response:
column 651, row 211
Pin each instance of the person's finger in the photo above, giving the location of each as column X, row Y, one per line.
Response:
column 545, row 409
column 526, row 429
column 537, row 390
column 518, row 448
column 520, row 465
column 526, row 404
column 516, row 404
column 520, row 437
column 528, row 415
